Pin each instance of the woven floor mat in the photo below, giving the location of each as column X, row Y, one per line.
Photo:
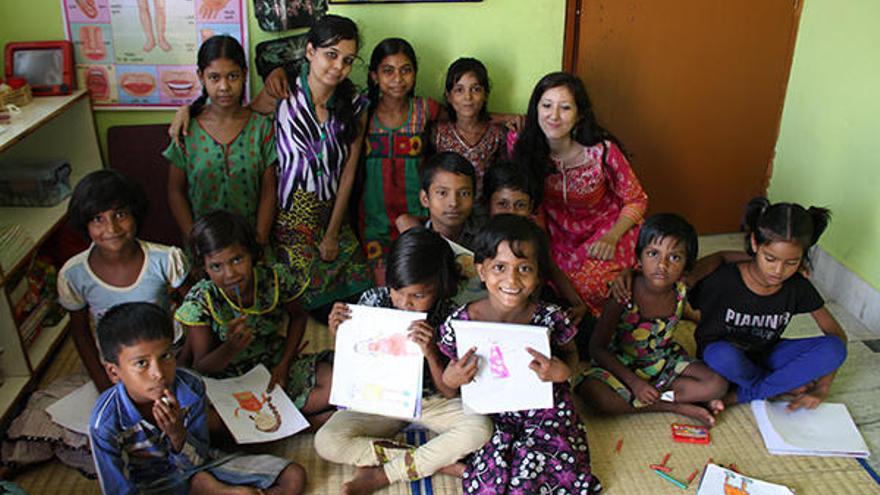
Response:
column 735, row 440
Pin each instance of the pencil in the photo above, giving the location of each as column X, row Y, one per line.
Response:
column 670, row 479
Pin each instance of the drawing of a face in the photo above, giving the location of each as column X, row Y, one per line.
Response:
column 180, row 84
column 137, row 84
column 92, row 42
column 96, row 82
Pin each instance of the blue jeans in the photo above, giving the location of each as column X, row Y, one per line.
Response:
column 790, row 364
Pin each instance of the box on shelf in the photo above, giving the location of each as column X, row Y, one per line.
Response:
column 43, row 183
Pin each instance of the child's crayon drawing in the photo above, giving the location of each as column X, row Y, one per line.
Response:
column 730, row 489
column 496, row 362
column 265, row 421
column 391, row 345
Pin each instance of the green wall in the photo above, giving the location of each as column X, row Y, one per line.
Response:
column 518, row 40
column 828, row 152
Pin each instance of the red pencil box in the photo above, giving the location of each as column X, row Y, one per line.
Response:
column 690, row 433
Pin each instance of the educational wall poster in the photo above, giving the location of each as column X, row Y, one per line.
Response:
column 142, row 53
column 377, row 369
column 251, row 414
column 717, row 480
column 504, row 381
column 400, row 1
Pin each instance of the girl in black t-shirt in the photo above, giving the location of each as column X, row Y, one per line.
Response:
column 745, row 308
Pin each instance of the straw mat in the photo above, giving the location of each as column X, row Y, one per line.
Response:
column 646, row 438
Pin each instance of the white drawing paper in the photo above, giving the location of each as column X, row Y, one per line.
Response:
column 376, row 368
column 251, row 414
column 717, row 480
column 503, row 381
column 73, row 410
column 827, row 431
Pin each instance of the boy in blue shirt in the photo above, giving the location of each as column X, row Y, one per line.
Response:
column 149, row 431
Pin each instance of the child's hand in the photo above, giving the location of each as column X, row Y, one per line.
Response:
column 238, row 334
column 338, row 314
column 621, row 287
column 645, row 393
column 276, row 84
column 576, row 313
column 329, row 248
column 461, row 371
column 280, row 376
column 180, row 125
column 405, row 222
column 548, row 369
column 169, row 419
column 604, row 248
column 423, row 334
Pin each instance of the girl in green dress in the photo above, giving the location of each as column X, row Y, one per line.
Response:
column 228, row 160
column 234, row 316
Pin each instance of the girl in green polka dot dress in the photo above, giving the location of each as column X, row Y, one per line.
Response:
column 228, row 159
column 636, row 360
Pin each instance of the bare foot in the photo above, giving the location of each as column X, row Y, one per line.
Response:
column 699, row 413
column 715, row 406
column 455, row 469
column 164, row 45
column 149, row 45
column 366, row 480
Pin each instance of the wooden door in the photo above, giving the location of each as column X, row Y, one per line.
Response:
column 694, row 89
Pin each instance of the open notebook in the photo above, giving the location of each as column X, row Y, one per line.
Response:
column 827, row 431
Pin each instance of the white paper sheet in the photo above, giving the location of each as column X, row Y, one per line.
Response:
column 719, row 481
column 74, row 409
column 504, row 381
column 252, row 415
column 826, row 431
column 376, row 368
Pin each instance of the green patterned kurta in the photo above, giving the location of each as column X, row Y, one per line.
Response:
column 226, row 176
column 274, row 286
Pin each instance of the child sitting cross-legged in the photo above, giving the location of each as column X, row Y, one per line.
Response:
column 149, row 432
column 421, row 276
column 634, row 347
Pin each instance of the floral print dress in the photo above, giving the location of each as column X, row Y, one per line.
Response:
column 647, row 348
column 539, row 451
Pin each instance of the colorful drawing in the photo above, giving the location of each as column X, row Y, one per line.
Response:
column 265, row 421
column 496, row 362
column 729, row 489
column 392, row 345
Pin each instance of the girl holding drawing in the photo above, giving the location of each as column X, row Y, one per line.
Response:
column 535, row 451
column 232, row 318
column 422, row 276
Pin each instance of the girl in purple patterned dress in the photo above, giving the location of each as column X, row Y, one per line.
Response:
column 534, row 451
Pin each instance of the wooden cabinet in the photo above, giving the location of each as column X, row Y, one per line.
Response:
column 49, row 127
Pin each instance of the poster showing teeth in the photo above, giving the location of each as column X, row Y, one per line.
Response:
column 142, row 53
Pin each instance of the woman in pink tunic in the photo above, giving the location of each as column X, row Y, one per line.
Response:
column 592, row 201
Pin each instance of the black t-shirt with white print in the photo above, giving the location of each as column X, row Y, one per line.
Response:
column 731, row 311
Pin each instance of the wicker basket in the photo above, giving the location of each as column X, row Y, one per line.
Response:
column 19, row 97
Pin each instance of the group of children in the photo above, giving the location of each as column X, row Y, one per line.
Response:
column 263, row 208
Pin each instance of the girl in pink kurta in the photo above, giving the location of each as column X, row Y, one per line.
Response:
column 592, row 200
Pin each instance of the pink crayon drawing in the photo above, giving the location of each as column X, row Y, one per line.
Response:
column 393, row 345
column 496, row 362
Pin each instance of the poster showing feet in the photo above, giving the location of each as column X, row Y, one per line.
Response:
column 142, row 53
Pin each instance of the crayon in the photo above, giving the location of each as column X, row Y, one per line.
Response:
column 670, row 479
column 665, row 458
column 692, row 476
column 658, row 467
column 619, row 445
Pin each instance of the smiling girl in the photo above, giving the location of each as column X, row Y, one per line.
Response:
column 591, row 197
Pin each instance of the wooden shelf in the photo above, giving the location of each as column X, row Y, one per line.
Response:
column 33, row 115
column 10, row 392
column 46, row 341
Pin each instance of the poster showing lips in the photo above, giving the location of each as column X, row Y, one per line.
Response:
column 142, row 53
